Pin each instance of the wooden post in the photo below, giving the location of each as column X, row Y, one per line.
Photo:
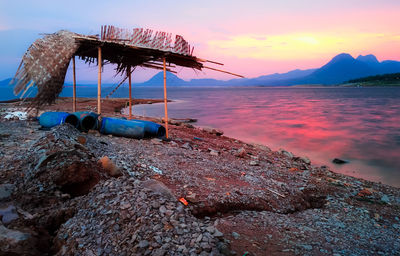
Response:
column 165, row 98
column 99, row 82
column 74, row 86
column 130, row 93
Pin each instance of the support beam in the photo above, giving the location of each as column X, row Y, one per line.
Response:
column 223, row 71
column 99, row 62
column 165, row 99
column 74, row 85
column 130, row 93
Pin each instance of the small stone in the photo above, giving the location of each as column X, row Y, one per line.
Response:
column 192, row 198
column 211, row 229
column 186, row 146
column 206, row 247
column 254, row 163
column 235, row 235
column 210, row 130
column 306, row 247
column 199, row 238
column 173, row 143
column 286, row 153
column 223, row 248
column 125, row 206
column 365, row 192
column 217, row 233
column 110, row 167
column 6, row 190
column 158, row 187
column 339, row 161
column 306, row 160
column 143, row 244
column 385, row 199
column 159, row 252
column 162, row 209
column 116, row 227
column 156, row 141
column 155, row 205
column 9, row 214
column 82, row 140
column 213, row 152
column 241, row 152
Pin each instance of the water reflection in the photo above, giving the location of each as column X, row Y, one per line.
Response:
column 360, row 125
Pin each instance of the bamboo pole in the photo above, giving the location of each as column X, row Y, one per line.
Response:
column 223, row 71
column 165, row 99
column 99, row 82
column 130, row 93
column 74, row 85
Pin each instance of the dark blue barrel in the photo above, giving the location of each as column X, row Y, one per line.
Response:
column 121, row 127
column 87, row 120
column 152, row 129
column 51, row 119
column 137, row 129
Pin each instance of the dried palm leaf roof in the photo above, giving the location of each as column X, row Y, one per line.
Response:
column 46, row 61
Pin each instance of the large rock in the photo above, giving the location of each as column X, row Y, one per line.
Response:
column 59, row 159
column 14, row 242
column 8, row 214
column 158, row 187
column 215, row 131
column 6, row 191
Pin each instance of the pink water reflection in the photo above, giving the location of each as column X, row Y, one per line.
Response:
column 360, row 125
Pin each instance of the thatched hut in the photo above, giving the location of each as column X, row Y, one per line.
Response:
column 46, row 61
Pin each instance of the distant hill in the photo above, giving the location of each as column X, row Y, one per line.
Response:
column 158, row 80
column 344, row 67
column 388, row 79
column 5, row 82
column 273, row 79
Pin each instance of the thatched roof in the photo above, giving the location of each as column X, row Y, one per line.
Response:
column 46, row 61
column 45, row 64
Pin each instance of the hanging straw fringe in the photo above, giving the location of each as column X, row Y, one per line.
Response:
column 45, row 64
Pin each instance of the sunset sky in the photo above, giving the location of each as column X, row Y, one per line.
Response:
column 252, row 38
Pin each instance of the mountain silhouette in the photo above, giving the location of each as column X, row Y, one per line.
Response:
column 158, row 80
column 339, row 69
column 344, row 67
column 5, row 82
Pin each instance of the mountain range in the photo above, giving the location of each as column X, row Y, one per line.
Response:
column 340, row 69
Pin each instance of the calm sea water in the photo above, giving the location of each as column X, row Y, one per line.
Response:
column 361, row 125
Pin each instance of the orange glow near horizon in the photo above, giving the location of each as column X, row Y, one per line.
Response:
column 299, row 46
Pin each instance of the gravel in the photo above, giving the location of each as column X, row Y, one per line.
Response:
column 199, row 193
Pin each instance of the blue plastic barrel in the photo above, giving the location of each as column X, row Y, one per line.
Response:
column 87, row 120
column 51, row 119
column 152, row 129
column 137, row 129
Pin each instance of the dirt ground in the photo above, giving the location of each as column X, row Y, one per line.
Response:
column 198, row 192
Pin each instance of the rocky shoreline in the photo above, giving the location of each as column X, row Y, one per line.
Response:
column 64, row 192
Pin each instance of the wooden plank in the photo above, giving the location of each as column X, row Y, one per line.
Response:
column 74, row 85
column 130, row 93
column 223, row 71
column 99, row 81
column 165, row 99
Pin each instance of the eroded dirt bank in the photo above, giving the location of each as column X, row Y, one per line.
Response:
column 70, row 193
